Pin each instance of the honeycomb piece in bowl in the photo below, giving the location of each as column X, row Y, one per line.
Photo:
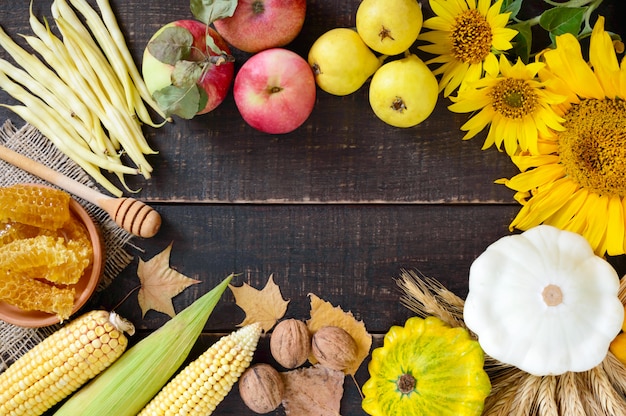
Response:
column 34, row 205
column 33, row 295
column 45, row 257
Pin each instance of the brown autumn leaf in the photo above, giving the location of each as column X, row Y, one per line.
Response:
column 265, row 306
column 160, row 283
column 315, row 390
column 325, row 314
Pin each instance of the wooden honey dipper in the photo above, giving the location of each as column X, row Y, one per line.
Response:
column 131, row 214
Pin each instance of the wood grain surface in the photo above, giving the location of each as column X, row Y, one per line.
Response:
column 336, row 208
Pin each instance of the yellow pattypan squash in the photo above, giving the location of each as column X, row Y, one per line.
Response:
column 426, row 368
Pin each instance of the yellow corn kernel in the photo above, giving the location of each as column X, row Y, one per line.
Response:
column 203, row 384
column 34, row 205
column 60, row 364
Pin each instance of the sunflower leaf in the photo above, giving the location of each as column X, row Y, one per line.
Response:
column 511, row 6
column 522, row 42
column 560, row 20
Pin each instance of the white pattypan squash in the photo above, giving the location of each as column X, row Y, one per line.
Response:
column 544, row 302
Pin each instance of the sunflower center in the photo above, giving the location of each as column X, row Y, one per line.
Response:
column 593, row 145
column 406, row 383
column 513, row 98
column 471, row 37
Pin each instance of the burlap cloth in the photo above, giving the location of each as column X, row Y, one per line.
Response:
column 14, row 340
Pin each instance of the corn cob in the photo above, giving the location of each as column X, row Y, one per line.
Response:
column 130, row 383
column 63, row 362
column 203, row 384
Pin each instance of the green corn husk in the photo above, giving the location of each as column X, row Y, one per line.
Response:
column 138, row 375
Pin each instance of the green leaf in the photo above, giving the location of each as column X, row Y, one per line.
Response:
column 560, row 20
column 522, row 42
column 208, row 11
column 171, row 45
column 186, row 73
column 183, row 102
column 210, row 43
column 512, row 6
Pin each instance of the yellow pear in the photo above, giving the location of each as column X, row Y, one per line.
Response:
column 389, row 26
column 341, row 61
column 403, row 92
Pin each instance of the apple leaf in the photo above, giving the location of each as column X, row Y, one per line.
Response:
column 323, row 313
column 313, row 390
column 265, row 306
column 208, row 11
column 186, row 73
column 160, row 283
column 184, row 102
column 171, row 45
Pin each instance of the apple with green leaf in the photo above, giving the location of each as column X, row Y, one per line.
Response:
column 256, row 25
column 275, row 91
column 187, row 68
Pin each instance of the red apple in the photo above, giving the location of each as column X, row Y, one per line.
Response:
column 275, row 90
column 262, row 24
column 185, row 75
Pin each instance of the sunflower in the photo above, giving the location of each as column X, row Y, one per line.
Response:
column 577, row 180
column 516, row 104
column 465, row 36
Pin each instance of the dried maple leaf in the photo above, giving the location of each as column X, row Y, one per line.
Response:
column 160, row 283
column 313, row 390
column 265, row 306
column 325, row 314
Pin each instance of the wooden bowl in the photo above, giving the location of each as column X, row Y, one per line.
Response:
column 84, row 287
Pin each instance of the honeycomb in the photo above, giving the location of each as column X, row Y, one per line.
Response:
column 33, row 295
column 33, row 205
column 44, row 249
column 45, row 257
column 10, row 231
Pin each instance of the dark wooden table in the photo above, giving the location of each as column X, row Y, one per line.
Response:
column 337, row 208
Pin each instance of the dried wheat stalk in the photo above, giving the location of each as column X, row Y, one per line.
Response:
column 600, row 391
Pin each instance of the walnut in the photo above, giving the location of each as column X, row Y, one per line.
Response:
column 290, row 343
column 261, row 388
column 334, row 347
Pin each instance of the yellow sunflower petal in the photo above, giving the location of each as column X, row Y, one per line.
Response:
column 502, row 38
column 440, row 23
column 498, row 22
column 536, row 177
column 578, row 223
column 491, row 65
column 469, row 100
column 603, row 59
column 437, row 37
column 524, row 163
column 445, row 9
column 484, row 6
column 595, row 211
column 479, row 121
column 529, row 134
column 545, row 203
column 563, row 217
column 615, row 227
column 452, row 78
column 566, row 62
column 510, row 136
